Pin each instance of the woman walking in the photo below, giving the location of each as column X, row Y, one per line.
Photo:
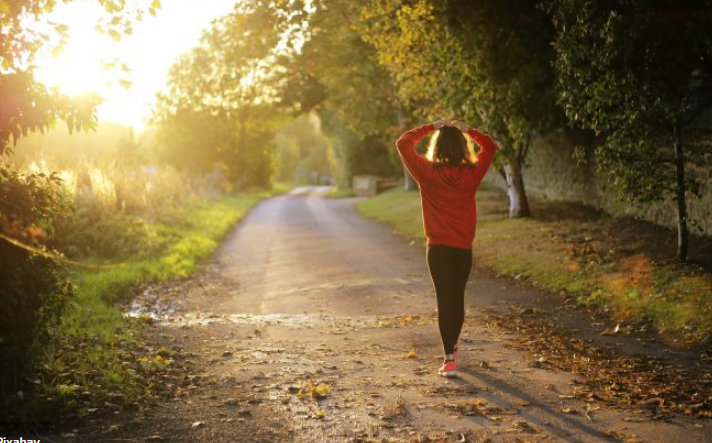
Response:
column 448, row 177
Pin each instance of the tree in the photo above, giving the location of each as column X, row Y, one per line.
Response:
column 27, row 105
column 337, row 76
column 33, row 288
column 487, row 62
column 638, row 73
column 221, row 105
column 302, row 150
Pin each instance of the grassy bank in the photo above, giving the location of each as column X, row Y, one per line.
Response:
column 95, row 359
column 341, row 193
column 622, row 267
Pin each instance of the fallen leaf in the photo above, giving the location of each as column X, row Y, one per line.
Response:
column 622, row 436
column 612, row 331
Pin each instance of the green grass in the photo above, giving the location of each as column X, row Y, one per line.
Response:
column 631, row 287
column 94, row 340
column 341, row 193
column 198, row 228
column 398, row 208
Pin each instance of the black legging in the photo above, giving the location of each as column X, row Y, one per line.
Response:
column 449, row 269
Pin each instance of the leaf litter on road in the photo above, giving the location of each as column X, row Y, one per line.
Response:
column 480, row 407
column 642, row 383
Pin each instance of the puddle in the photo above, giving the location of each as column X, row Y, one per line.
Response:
column 158, row 306
column 150, row 304
column 294, row 321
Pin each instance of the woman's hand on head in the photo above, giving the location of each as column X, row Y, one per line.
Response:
column 459, row 125
column 440, row 123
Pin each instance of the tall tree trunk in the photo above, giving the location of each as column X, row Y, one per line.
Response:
column 680, row 190
column 518, row 202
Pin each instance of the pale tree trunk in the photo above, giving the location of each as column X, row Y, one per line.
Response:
column 518, row 203
column 680, row 190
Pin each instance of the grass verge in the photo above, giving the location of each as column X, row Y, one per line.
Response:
column 94, row 360
column 341, row 193
column 610, row 264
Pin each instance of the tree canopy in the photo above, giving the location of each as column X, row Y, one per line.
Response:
column 637, row 73
column 487, row 63
column 337, row 76
column 27, row 105
column 222, row 102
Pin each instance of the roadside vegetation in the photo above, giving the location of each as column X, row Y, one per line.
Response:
column 115, row 228
column 97, row 339
column 341, row 193
column 622, row 268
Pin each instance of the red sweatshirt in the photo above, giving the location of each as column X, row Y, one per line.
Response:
column 447, row 193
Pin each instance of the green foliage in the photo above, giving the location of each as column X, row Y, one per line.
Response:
column 634, row 71
column 111, row 206
column 33, row 289
column 336, row 75
column 194, row 231
column 29, row 106
column 302, row 150
column 487, row 62
column 221, row 106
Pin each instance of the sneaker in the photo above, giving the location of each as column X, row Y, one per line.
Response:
column 448, row 369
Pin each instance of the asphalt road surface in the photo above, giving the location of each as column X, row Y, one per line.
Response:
column 313, row 324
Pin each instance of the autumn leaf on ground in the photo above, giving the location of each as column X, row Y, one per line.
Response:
column 478, row 406
column 612, row 331
column 624, row 437
column 397, row 410
column 155, row 364
column 312, row 390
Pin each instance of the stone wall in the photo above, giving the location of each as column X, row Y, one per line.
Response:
column 553, row 174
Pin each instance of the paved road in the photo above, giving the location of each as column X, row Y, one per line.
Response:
column 305, row 254
column 306, row 293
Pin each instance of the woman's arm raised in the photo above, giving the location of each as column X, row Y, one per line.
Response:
column 418, row 166
column 487, row 148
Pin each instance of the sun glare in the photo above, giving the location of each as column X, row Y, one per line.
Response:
column 80, row 66
column 90, row 61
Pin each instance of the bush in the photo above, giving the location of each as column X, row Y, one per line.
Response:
column 33, row 289
column 115, row 207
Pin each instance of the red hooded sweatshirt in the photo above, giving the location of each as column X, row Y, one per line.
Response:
column 447, row 193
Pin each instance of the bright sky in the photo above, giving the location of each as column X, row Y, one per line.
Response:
column 148, row 52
